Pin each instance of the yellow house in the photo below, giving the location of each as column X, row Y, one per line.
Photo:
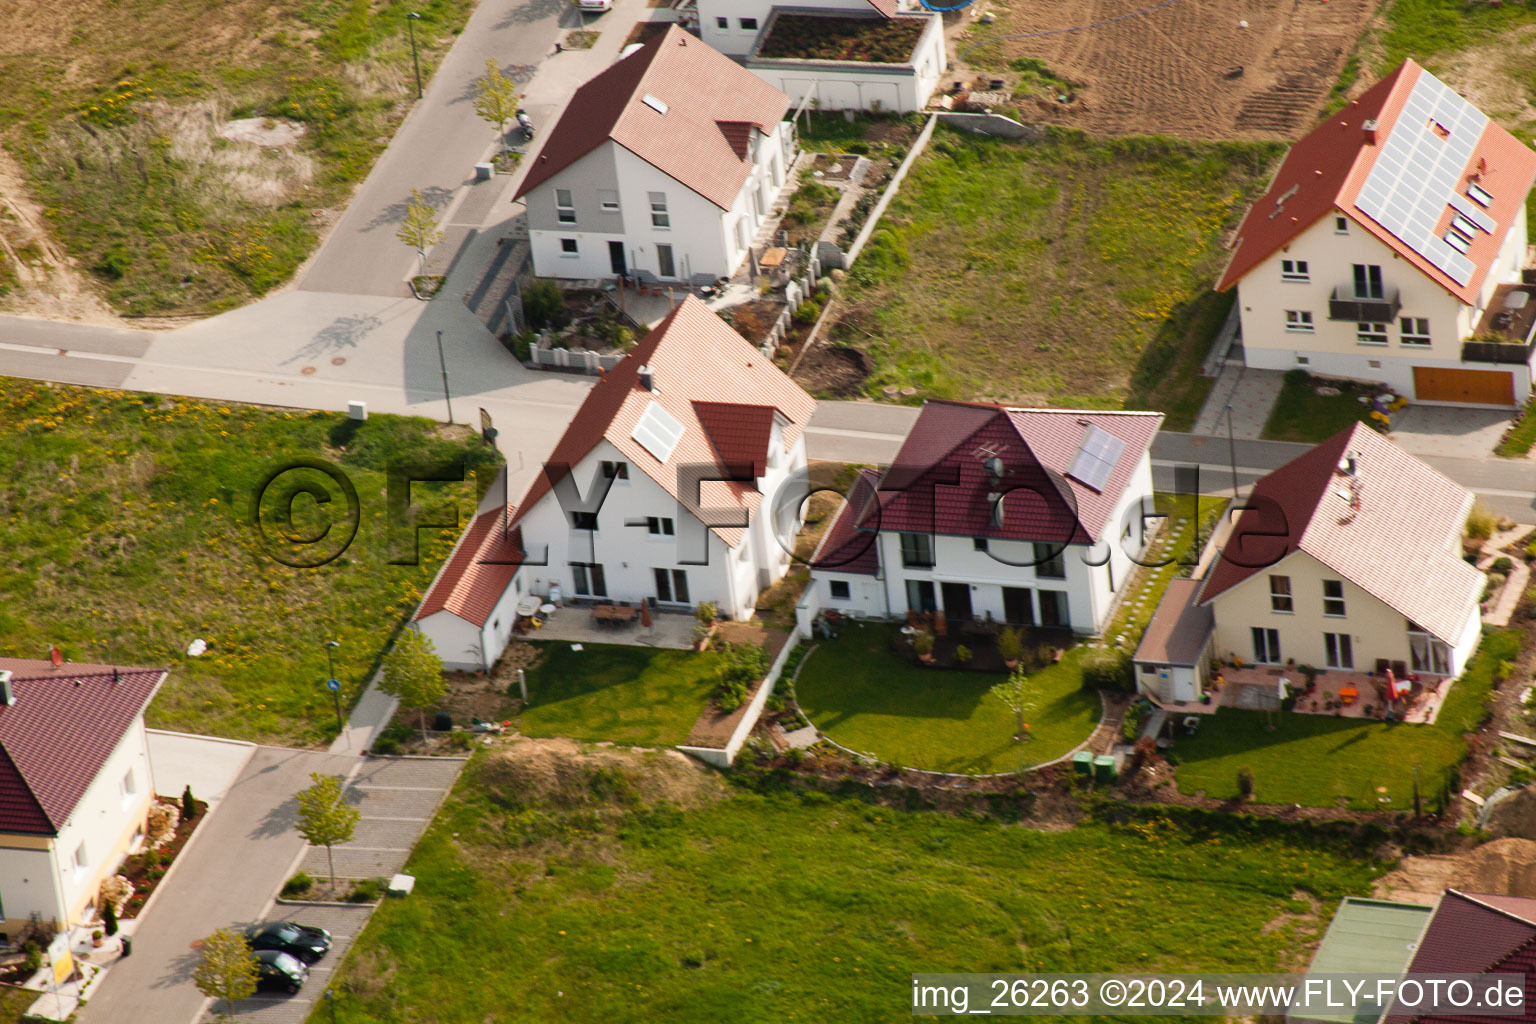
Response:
column 75, row 785
column 1348, row 558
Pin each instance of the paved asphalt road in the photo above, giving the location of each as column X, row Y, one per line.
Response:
column 237, row 859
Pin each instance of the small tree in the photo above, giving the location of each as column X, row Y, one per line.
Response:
column 413, row 674
column 496, row 100
column 325, row 817
column 419, row 229
column 188, row 804
column 227, row 969
column 1010, row 645
column 109, row 918
column 1245, row 782
column 1017, row 696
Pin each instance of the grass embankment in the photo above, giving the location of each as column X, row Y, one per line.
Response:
column 1190, row 522
column 758, row 908
column 859, row 692
column 1072, row 271
column 114, row 112
column 1320, row 761
column 640, row 695
column 126, row 522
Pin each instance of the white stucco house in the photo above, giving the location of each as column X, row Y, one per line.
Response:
column 663, row 166
column 75, row 785
column 1346, row 558
column 821, row 49
column 1391, row 246
column 1025, row 516
column 471, row 607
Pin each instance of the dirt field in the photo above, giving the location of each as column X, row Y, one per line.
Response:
column 1173, row 70
column 1503, row 866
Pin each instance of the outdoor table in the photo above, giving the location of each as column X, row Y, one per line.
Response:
column 1348, row 694
column 607, row 613
column 773, row 258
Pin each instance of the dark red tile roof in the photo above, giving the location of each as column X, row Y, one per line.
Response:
column 740, row 433
column 59, row 732
column 478, row 571
column 885, row 7
column 846, row 547
column 712, row 105
column 939, row 481
column 1473, row 933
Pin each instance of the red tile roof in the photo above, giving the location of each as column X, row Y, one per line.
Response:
column 885, row 7
column 712, row 105
column 697, row 361
column 56, row 736
column 939, row 483
column 1401, row 545
column 1473, row 933
column 739, row 433
column 846, row 547
column 1323, row 174
column 478, row 571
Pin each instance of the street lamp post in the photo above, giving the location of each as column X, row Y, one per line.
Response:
column 443, row 363
column 1232, row 450
column 332, row 683
column 410, row 23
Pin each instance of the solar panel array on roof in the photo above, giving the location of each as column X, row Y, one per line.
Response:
column 657, row 432
column 1096, row 458
column 1419, row 170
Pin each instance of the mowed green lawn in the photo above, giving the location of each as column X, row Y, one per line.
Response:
column 1071, row 271
column 641, row 695
column 126, row 520
column 861, row 694
column 778, row 908
column 1321, row 761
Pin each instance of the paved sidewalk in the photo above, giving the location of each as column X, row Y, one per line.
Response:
column 1251, row 394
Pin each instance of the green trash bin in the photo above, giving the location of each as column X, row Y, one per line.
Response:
column 1082, row 762
column 1104, row 768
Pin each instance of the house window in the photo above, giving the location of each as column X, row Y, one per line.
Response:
column 660, row 218
column 839, row 590
column 671, row 585
column 978, row 543
column 1280, row 594
column 722, row 23
column 81, row 860
column 565, row 206
column 1050, row 561
column 1338, row 650
column 1368, row 281
column 749, row 24
column 609, row 201
column 1456, row 240
column 1299, row 320
column 658, row 526
column 1341, row 225
column 588, row 577
column 129, row 785
column 1479, row 195
column 1266, row 645
column 1053, row 608
column 1303, row 360
column 583, row 520
column 1294, row 270
column 917, row 551
column 665, row 267
column 615, row 470
column 568, row 247
column 1333, row 597
column 921, row 596
column 1415, row 330
column 1371, row 334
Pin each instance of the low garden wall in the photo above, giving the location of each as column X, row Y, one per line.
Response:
column 722, row 757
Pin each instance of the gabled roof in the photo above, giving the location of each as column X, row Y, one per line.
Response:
column 711, row 104
column 697, row 361
column 739, row 432
column 1330, row 171
column 940, row 483
column 845, row 547
column 478, row 571
column 1400, row 545
column 1474, row 933
column 58, row 733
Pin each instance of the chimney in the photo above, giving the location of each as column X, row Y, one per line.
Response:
column 647, row 378
column 1369, row 128
column 7, row 695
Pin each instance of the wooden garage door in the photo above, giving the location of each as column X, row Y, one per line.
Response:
column 1445, row 384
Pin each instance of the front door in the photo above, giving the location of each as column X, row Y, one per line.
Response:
column 957, row 601
column 616, row 258
column 665, row 266
column 1053, row 608
column 1018, row 606
column 671, row 585
column 1266, row 645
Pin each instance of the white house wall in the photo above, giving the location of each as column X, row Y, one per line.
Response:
column 737, row 40
column 456, row 640
column 847, row 85
column 28, row 883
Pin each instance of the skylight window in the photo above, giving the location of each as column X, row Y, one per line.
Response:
column 1479, row 195
column 657, row 432
column 654, row 103
column 1096, row 458
column 1464, row 225
column 1456, row 241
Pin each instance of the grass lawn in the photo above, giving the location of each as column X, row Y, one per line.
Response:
column 114, row 110
column 860, row 693
column 1518, row 444
column 776, row 908
column 1321, row 761
column 628, row 694
column 1301, row 414
column 125, row 519
column 1071, row 271
column 14, row 1003
column 1191, row 522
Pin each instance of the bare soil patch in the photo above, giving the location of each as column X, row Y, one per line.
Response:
column 834, row 371
column 1503, row 866
column 560, row 772
column 262, row 131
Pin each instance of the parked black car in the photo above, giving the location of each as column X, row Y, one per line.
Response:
column 279, row 970
column 300, row 940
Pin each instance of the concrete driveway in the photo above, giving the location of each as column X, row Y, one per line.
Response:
column 1457, row 433
column 238, row 857
column 208, row 764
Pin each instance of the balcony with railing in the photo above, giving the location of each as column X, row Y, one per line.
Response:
column 1344, row 304
column 1507, row 331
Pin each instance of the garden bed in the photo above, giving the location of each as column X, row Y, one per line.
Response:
column 819, row 37
column 147, row 868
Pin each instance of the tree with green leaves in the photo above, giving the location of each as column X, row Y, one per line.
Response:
column 1018, row 696
column 419, row 229
column 325, row 817
column 227, row 969
column 188, row 804
column 496, row 100
column 413, row 674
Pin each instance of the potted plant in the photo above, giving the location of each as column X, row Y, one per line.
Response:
column 922, row 643
column 97, row 938
column 1010, row 646
column 962, row 654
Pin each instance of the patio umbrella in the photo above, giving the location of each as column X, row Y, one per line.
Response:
column 645, row 614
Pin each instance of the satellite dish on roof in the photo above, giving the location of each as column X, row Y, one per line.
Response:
column 995, row 467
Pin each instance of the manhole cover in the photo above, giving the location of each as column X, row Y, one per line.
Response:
column 307, row 370
column 339, row 360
